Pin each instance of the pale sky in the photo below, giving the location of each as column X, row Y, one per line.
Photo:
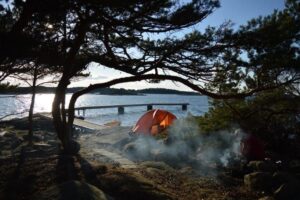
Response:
column 238, row 11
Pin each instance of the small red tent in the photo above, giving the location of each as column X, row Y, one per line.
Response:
column 154, row 122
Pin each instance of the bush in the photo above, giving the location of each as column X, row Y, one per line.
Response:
column 274, row 116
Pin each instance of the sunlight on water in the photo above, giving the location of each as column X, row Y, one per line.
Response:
column 43, row 102
column 20, row 103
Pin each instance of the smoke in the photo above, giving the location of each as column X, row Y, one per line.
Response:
column 186, row 145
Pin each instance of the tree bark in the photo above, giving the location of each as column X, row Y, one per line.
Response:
column 30, row 116
column 58, row 114
column 58, row 107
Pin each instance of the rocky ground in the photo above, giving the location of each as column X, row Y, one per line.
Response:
column 103, row 171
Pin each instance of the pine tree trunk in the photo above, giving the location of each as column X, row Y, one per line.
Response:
column 60, row 119
column 71, row 110
column 57, row 114
column 30, row 116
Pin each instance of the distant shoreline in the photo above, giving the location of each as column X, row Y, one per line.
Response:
column 102, row 91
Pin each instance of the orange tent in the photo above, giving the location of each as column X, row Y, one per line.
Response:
column 153, row 122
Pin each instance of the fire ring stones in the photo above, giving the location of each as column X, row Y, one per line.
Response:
column 279, row 185
column 258, row 181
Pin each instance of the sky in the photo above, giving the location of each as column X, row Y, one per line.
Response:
column 237, row 11
column 240, row 11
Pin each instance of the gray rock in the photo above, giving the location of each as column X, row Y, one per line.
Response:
column 157, row 165
column 9, row 134
column 294, row 163
column 187, row 170
column 262, row 166
column 3, row 133
column 267, row 198
column 294, row 166
column 129, row 148
column 73, row 149
column 280, row 178
column 258, row 181
column 34, row 153
column 53, row 142
column 40, row 145
column 15, row 142
column 158, row 154
column 287, row 191
column 137, row 152
column 35, row 137
column 163, row 156
column 74, row 190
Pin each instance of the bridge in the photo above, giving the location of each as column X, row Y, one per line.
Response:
column 121, row 108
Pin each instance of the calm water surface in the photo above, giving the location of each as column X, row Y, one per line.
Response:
column 20, row 103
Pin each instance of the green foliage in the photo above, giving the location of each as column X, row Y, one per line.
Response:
column 266, row 54
column 274, row 116
column 216, row 119
column 270, row 55
column 7, row 87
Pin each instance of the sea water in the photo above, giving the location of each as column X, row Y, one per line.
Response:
column 10, row 104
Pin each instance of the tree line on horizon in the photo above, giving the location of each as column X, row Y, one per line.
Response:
column 6, row 88
column 62, row 38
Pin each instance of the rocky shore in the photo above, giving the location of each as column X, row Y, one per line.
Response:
column 103, row 170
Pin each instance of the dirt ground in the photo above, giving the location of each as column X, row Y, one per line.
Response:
column 26, row 171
